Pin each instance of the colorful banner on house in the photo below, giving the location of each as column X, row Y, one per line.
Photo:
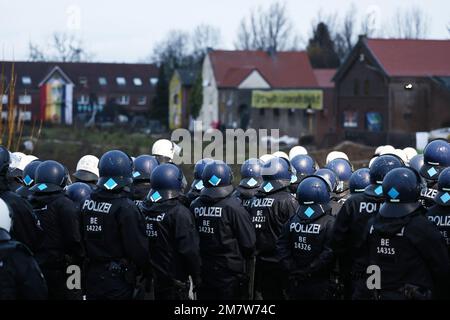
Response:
column 288, row 99
column 56, row 102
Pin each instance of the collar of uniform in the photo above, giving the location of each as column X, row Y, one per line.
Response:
column 164, row 205
column 4, row 235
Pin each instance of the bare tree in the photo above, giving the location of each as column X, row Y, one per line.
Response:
column 173, row 51
column 203, row 37
column 267, row 29
column 411, row 23
column 62, row 47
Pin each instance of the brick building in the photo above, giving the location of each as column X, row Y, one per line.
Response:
column 388, row 89
column 67, row 92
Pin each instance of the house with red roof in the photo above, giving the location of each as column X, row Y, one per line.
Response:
column 389, row 89
column 264, row 90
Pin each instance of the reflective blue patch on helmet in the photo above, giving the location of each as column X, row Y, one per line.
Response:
column 252, row 182
column 445, row 197
column 28, row 180
column 393, row 193
column 378, row 190
column 136, row 174
column 309, row 212
column 42, row 186
column 199, row 185
column 432, row 171
column 110, row 184
column 293, row 178
column 268, row 187
column 214, row 180
column 155, row 196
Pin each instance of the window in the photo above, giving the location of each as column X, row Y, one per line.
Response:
column 121, row 81
column 26, row 80
column 142, row 100
column 137, row 82
column 355, row 87
column 83, row 81
column 175, row 99
column 83, row 99
column 291, row 116
column 350, row 119
column 276, row 112
column 153, row 81
column 102, row 81
column 262, row 111
column 366, row 87
column 123, row 100
column 101, row 100
column 4, row 99
column 25, row 99
column 374, row 121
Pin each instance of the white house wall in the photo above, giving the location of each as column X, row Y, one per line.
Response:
column 254, row 81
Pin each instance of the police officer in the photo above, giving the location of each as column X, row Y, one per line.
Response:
column 304, row 244
column 343, row 169
column 251, row 180
column 28, row 179
column 296, row 150
column 143, row 167
column 173, row 238
column 303, row 166
column 113, row 231
column 59, row 219
column 87, row 170
column 436, row 156
column 25, row 227
column 20, row 276
column 227, row 237
column 416, row 162
column 407, row 248
column 270, row 210
column 359, row 180
column 78, row 192
column 439, row 214
column 197, row 184
column 350, row 226
column 332, row 179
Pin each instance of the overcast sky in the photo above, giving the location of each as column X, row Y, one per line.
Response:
column 126, row 31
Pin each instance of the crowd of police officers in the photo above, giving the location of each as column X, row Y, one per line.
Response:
column 288, row 230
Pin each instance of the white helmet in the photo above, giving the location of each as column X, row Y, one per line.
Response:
column 266, row 157
column 87, row 168
column 410, row 153
column 295, row 151
column 16, row 157
column 5, row 216
column 165, row 148
column 336, row 155
column 401, row 154
column 281, row 154
column 24, row 161
column 387, row 149
column 379, row 150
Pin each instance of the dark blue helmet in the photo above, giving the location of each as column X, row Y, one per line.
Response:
column 277, row 174
column 313, row 195
column 116, row 170
column 416, row 162
column 143, row 167
column 251, row 173
column 167, row 183
column 304, row 166
column 401, row 189
column 78, row 192
column 378, row 170
column 329, row 176
column 443, row 196
column 197, row 184
column 5, row 159
column 343, row 169
column 29, row 173
column 436, row 156
column 359, row 180
column 217, row 178
column 50, row 176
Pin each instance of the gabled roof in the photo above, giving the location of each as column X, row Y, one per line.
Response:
column 418, row 58
column 90, row 71
column 324, row 77
column 56, row 69
column 283, row 70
